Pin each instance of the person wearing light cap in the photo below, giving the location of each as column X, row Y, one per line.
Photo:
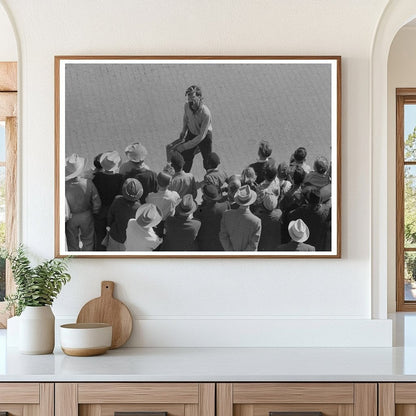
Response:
column 136, row 168
column 123, row 208
column 83, row 201
column 136, row 154
column 240, row 228
column 299, row 233
column 140, row 235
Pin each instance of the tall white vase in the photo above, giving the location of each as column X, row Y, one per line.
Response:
column 37, row 330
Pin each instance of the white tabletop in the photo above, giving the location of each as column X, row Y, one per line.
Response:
column 222, row 364
column 215, row 365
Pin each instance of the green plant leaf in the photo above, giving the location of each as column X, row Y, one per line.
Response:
column 38, row 285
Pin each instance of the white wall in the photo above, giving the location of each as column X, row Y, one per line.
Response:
column 8, row 46
column 223, row 301
column 401, row 74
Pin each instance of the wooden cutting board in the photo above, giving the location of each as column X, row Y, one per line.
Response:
column 108, row 310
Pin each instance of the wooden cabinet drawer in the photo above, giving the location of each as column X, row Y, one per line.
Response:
column 105, row 399
column 264, row 399
column 21, row 399
column 397, row 399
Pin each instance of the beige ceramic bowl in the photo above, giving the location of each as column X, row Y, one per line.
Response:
column 84, row 340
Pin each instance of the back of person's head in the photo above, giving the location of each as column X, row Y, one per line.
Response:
column 283, row 171
column 270, row 170
column 168, row 168
column 321, row 164
column 270, row 201
column 300, row 154
column 248, row 176
column 194, row 89
column 96, row 161
column 298, row 175
column 314, row 196
column 265, row 149
column 212, row 161
column 163, row 179
column 177, row 161
column 233, row 184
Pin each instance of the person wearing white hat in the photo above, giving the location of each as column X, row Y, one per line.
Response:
column 140, row 235
column 299, row 233
column 83, row 201
column 108, row 183
column 136, row 168
column 136, row 154
column 317, row 217
column 240, row 228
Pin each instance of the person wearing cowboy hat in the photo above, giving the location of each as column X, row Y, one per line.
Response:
column 196, row 128
column 136, row 168
column 182, row 229
column 240, row 228
column 210, row 213
column 123, row 208
column 136, row 154
column 83, row 201
column 299, row 233
column 140, row 235
column 108, row 183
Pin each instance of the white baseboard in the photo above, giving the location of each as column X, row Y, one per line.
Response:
column 255, row 332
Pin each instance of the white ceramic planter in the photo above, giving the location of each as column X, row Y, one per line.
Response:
column 37, row 330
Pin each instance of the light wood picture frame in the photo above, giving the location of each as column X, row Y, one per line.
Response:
column 104, row 104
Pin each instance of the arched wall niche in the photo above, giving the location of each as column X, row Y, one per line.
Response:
column 397, row 14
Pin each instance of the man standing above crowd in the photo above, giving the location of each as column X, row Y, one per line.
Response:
column 197, row 128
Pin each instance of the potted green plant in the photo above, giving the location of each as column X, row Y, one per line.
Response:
column 36, row 289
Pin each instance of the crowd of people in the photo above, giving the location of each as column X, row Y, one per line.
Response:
column 268, row 206
column 127, row 206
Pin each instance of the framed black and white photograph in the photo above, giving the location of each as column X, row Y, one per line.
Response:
column 198, row 156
